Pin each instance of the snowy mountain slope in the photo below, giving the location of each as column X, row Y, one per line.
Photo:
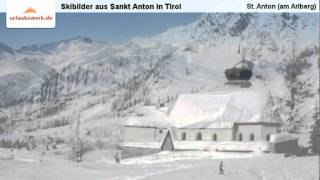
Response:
column 53, row 82
column 6, row 49
column 19, row 78
column 221, row 26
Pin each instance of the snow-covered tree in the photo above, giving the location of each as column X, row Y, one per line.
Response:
column 294, row 67
column 315, row 132
column 78, row 146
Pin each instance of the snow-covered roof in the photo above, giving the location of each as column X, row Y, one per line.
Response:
column 221, row 109
column 149, row 117
column 283, row 137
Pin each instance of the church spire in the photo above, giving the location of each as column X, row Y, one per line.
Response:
column 241, row 72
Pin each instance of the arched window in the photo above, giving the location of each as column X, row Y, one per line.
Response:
column 268, row 137
column 183, row 136
column 214, row 137
column 251, row 137
column 199, row 137
column 239, row 137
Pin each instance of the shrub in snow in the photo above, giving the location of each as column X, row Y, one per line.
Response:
column 13, row 143
column 19, row 144
column 302, row 151
column 79, row 147
column 99, row 144
column 315, row 132
column 59, row 140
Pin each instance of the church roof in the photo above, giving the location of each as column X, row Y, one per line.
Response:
column 148, row 117
column 222, row 109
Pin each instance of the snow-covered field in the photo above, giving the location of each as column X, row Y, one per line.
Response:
column 187, row 165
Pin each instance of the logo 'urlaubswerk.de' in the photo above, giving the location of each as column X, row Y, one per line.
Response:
column 30, row 14
column 30, row 10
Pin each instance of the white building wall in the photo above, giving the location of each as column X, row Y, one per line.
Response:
column 247, row 130
column 147, row 134
column 144, row 134
column 223, row 134
column 139, row 134
column 268, row 130
column 160, row 134
column 260, row 131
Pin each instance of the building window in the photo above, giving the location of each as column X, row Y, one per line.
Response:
column 268, row 137
column 183, row 136
column 239, row 137
column 160, row 131
column 199, row 137
column 251, row 137
column 214, row 137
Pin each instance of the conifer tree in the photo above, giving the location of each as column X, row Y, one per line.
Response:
column 315, row 132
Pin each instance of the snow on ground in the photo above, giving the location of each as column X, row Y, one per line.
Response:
column 99, row 165
column 164, row 157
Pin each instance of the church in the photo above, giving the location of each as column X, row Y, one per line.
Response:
column 237, row 119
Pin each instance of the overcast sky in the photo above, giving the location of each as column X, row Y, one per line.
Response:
column 107, row 27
